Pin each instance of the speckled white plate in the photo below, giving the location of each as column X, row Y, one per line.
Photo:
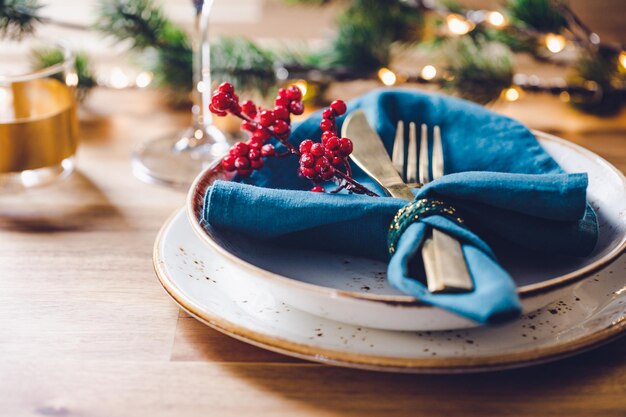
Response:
column 590, row 313
column 355, row 290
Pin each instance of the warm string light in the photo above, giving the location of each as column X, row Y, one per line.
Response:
column 591, row 85
column 302, row 85
column 387, row 76
column 555, row 43
column 496, row 19
column 428, row 72
column 622, row 59
column 144, row 79
column 458, row 24
column 71, row 79
column 118, row 79
column 512, row 94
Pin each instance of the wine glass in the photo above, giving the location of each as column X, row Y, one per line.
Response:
column 175, row 160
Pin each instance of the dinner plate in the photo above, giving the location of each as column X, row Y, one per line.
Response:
column 355, row 290
column 589, row 314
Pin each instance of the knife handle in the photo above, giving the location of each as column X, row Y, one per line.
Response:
column 444, row 263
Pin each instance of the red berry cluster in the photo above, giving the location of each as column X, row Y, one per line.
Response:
column 319, row 161
column 224, row 99
column 245, row 157
column 262, row 124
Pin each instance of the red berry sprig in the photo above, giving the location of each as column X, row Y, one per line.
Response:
column 320, row 162
column 245, row 157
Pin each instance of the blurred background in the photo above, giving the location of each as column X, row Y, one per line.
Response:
column 304, row 33
column 556, row 66
column 271, row 19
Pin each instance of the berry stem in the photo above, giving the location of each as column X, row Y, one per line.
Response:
column 267, row 130
column 356, row 186
column 341, row 187
column 346, row 164
column 286, row 153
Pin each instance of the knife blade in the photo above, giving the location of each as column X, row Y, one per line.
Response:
column 371, row 156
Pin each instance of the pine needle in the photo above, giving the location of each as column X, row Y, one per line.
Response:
column 18, row 18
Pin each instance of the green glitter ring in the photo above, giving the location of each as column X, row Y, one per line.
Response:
column 414, row 211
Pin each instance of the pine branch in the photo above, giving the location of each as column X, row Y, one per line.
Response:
column 451, row 6
column 142, row 21
column 477, row 71
column 540, row 15
column 243, row 63
column 18, row 18
column 517, row 40
column 236, row 60
column 46, row 57
column 173, row 67
column 368, row 28
column 598, row 70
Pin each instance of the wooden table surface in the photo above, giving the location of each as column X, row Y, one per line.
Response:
column 87, row 330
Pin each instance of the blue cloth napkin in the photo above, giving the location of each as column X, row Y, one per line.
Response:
column 505, row 185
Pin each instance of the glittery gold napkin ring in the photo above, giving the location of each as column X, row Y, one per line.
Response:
column 415, row 211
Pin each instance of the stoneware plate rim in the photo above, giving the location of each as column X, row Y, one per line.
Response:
column 309, row 352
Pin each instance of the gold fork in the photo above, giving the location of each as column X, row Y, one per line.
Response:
column 442, row 254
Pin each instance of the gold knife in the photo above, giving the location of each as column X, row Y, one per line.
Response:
column 444, row 263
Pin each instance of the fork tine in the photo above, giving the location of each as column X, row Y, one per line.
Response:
column 437, row 164
column 423, row 168
column 411, row 160
column 397, row 157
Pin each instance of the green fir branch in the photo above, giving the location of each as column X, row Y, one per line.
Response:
column 539, row 15
column 46, row 57
column 368, row 28
column 142, row 21
column 301, row 55
column 599, row 70
column 167, row 45
column 236, row 60
column 477, row 70
column 173, row 66
column 452, row 6
column 242, row 63
column 18, row 18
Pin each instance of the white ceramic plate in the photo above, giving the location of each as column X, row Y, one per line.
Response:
column 591, row 312
column 355, row 290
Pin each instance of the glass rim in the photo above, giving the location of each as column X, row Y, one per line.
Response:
column 69, row 60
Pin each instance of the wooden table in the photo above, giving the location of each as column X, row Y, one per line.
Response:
column 87, row 330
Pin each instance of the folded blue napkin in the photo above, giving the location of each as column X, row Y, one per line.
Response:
column 501, row 181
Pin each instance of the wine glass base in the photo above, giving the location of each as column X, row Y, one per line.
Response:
column 17, row 181
column 175, row 160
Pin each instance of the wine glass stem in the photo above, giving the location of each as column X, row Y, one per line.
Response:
column 202, row 117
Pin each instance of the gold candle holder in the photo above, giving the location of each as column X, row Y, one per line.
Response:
column 38, row 123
